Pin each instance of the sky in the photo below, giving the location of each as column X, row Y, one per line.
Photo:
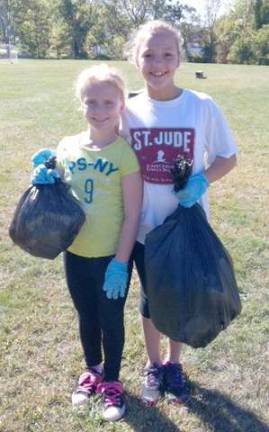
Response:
column 200, row 5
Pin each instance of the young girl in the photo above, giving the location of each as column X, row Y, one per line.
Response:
column 103, row 174
column 166, row 121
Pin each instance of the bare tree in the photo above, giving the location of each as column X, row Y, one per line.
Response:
column 212, row 8
column 137, row 10
column 7, row 26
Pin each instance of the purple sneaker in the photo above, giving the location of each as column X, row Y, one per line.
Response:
column 87, row 385
column 174, row 383
column 151, row 390
column 113, row 400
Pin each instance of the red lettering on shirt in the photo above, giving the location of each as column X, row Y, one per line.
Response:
column 157, row 149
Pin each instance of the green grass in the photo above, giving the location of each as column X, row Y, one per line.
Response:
column 40, row 351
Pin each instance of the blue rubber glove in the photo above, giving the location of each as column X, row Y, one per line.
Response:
column 42, row 156
column 116, row 277
column 196, row 186
column 44, row 175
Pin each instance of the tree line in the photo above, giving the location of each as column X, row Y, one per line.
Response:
column 99, row 29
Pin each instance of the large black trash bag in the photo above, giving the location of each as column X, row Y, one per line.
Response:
column 191, row 284
column 46, row 220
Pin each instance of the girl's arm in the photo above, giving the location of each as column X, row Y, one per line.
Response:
column 219, row 168
column 132, row 200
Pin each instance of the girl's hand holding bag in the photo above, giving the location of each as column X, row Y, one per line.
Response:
column 47, row 218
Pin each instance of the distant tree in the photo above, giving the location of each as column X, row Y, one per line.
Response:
column 243, row 13
column 117, row 18
column 94, row 28
column 227, row 30
column 265, row 12
column 261, row 13
column 210, row 39
column 60, row 39
column 261, row 44
column 236, row 34
column 243, row 50
column 257, row 13
column 109, row 31
column 8, row 10
column 79, row 17
column 136, row 11
column 169, row 10
column 33, row 27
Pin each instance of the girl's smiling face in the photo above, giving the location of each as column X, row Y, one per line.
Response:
column 102, row 105
column 157, row 60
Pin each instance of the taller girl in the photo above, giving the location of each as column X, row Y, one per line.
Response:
column 166, row 121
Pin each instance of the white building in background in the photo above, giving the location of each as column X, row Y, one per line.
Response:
column 8, row 53
column 194, row 49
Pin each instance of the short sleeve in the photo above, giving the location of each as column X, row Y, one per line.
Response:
column 219, row 139
column 62, row 157
column 129, row 163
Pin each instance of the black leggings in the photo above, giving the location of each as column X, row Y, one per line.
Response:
column 101, row 320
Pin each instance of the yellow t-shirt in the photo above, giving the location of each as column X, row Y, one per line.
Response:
column 95, row 180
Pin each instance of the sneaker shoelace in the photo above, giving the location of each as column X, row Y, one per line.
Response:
column 87, row 382
column 152, row 376
column 173, row 375
column 112, row 393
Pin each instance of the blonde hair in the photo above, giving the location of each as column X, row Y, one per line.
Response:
column 146, row 30
column 99, row 73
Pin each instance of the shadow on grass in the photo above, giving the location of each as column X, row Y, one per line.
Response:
column 220, row 413
column 217, row 412
column 143, row 419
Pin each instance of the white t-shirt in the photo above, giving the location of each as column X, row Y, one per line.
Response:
column 190, row 125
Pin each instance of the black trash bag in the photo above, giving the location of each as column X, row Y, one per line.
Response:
column 191, row 284
column 46, row 220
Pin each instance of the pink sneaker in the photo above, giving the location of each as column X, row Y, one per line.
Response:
column 87, row 385
column 114, row 406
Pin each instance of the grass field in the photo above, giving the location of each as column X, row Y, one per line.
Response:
column 40, row 352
